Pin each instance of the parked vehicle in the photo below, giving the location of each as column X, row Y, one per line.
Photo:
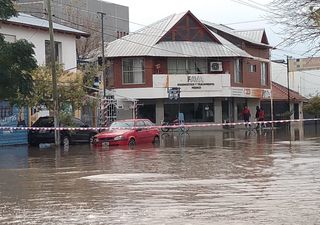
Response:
column 166, row 126
column 36, row 137
column 128, row 132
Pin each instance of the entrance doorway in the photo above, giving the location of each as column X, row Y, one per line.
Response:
column 147, row 112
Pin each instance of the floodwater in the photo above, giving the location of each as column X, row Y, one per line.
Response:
column 204, row 177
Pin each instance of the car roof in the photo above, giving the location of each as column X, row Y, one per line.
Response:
column 128, row 120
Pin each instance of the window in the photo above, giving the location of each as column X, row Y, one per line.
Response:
column 238, row 71
column 263, row 73
column 5, row 110
column 133, row 71
column 57, row 49
column 187, row 66
column 9, row 38
column 252, row 68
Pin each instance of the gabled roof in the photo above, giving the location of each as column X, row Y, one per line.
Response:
column 248, row 36
column 257, row 35
column 280, row 92
column 31, row 21
column 146, row 42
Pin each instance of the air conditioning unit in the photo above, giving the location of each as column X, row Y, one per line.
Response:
column 215, row 66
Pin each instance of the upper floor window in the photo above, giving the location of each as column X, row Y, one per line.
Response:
column 252, row 68
column 238, row 76
column 187, row 66
column 264, row 73
column 57, row 49
column 9, row 38
column 133, row 71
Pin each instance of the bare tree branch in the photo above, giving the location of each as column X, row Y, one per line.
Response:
column 300, row 20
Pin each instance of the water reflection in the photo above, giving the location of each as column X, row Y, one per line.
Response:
column 203, row 177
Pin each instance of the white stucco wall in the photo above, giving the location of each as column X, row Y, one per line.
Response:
column 307, row 83
column 38, row 37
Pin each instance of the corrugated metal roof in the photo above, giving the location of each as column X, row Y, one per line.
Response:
column 280, row 93
column 255, row 35
column 33, row 21
column 194, row 49
column 141, row 42
column 228, row 30
column 144, row 42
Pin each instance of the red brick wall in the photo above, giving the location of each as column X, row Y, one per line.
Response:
column 250, row 79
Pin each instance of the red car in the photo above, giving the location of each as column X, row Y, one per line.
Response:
column 128, row 132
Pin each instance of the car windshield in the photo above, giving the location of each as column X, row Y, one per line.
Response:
column 122, row 124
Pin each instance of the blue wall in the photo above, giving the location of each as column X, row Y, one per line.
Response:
column 9, row 117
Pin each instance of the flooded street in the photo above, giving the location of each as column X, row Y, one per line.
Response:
column 203, row 177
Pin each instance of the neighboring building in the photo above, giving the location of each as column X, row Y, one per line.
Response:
column 280, row 103
column 305, row 82
column 36, row 31
column 218, row 70
column 82, row 15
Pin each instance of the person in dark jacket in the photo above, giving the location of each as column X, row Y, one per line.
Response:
column 257, row 115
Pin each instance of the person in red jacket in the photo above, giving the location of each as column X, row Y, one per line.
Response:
column 246, row 114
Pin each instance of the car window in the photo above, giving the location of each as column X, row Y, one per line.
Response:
column 77, row 123
column 140, row 123
column 44, row 122
column 121, row 124
column 148, row 123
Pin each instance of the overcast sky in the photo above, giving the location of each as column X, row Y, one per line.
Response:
column 234, row 13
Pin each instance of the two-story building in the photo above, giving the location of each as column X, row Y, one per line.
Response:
column 36, row 31
column 216, row 70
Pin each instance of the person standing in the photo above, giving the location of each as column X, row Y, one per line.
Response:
column 246, row 115
column 257, row 115
column 261, row 115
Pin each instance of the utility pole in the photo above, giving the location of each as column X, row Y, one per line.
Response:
column 288, row 84
column 102, row 14
column 288, row 80
column 54, row 77
column 103, row 119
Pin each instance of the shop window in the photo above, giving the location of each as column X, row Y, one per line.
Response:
column 133, row 71
column 193, row 112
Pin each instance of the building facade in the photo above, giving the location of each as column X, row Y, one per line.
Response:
column 36, row 31
column 215, row 70
column 82, row 15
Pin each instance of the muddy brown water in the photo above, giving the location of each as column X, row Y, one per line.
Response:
column 203, row 177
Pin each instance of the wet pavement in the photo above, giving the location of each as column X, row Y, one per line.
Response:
column 203, row 177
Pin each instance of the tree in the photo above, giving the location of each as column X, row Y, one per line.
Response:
column 313, row 106
column 300, row 20
column 7, row 9
column 16, row 64
column 70, row 89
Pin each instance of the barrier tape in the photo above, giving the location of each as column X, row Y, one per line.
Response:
column 159, row 127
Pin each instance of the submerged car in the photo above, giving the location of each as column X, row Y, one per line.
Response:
column 128, row 132
column 38, row 136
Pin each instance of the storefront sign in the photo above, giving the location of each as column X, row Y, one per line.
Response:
column 190, row 82
column 251, row 92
